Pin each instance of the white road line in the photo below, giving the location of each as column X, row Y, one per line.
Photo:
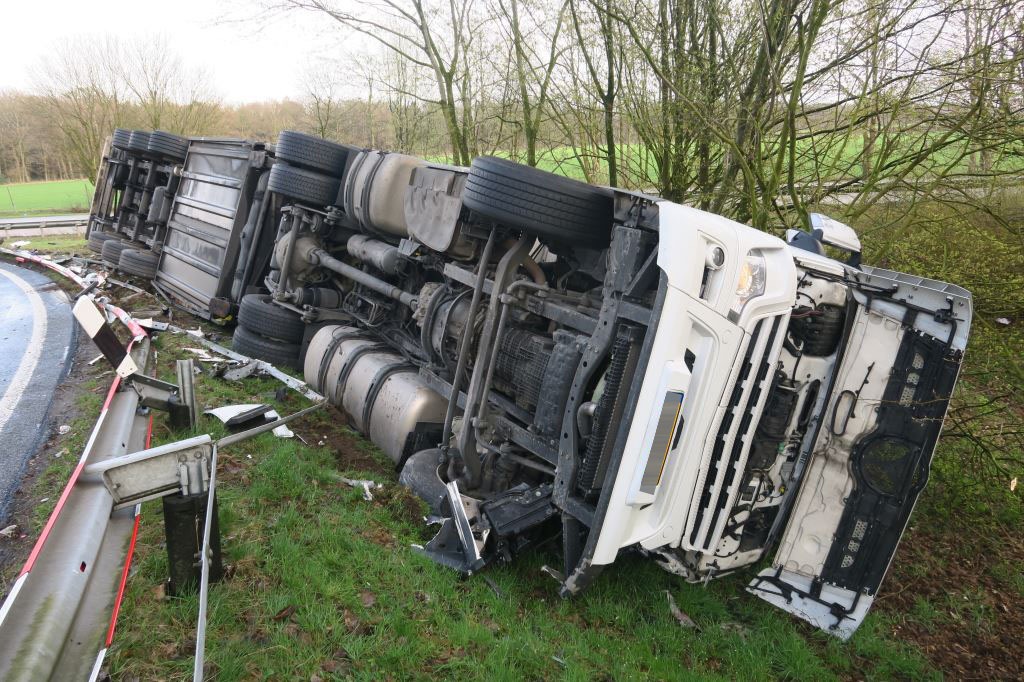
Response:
column 34, row 350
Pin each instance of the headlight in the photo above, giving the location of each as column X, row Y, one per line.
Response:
column 750, row 283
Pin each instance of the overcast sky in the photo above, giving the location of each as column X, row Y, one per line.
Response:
column 246, row 60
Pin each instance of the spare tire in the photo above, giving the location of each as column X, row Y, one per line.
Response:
column 97, row 239
column 112, row 248
column 312, row 153
column 259, row 313
column 302, row 185
column 138, row 262
column 543, row 204
column 138, row 141
column 275, row 352
column 168, row 145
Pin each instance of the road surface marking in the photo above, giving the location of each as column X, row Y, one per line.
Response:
column 30, row 360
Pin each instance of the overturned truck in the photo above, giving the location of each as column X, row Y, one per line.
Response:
column 539, row 355
column 536, row 353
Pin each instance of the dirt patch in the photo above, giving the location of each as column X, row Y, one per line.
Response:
column 948, row 600
column 330, row 430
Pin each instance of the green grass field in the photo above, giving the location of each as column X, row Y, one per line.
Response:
column 45, row 198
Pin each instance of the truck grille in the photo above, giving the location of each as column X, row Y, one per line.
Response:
column 732, row 441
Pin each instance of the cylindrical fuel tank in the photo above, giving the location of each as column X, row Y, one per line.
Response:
column 374, row 190
column 381, row 392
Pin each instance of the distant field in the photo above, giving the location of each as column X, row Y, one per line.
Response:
column 45, row 198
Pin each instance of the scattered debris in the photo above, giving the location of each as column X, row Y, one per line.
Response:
column 1013, row 484
column 64, row 429
column 126, row 285
column 236, row 415
column 150, row 323
column 493, row 585
column 677, row 613
column 559, row 660
column 240, row 372
column 367, row 486
column 20, row 244
column 1003, row 321
column 96, row 359
column 281, row 431
column 10, row 531
column 285, row 613
column 60, row 454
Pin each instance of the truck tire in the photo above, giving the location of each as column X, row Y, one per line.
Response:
column 275, row 352
column 302, row 185
column 121, row 138
column 819, row 333
column 260, row 314
column 312, row 153
column 168, row 145
column 97, row 239
column 138, row 141
column 138, row 262
column 111, row 252
column 540, row 203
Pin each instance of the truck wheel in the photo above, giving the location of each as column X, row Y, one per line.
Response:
column 820, row 331
column 111, row 252
column 138, row 262
column 121, row 138
column 97, row 239
column 540, row 203
column 167, row 144
column 258, row 313
column 275, row 352
column 303, row 185
column 312, row 153
column 138, row 141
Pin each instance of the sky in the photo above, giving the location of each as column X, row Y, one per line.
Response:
column 246, row 59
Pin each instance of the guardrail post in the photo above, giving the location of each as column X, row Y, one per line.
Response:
column 184, row 520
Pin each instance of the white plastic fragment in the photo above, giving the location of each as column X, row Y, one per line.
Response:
column 281, row 431
column 367, row 486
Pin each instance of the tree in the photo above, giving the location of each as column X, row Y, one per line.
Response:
column 432, row 34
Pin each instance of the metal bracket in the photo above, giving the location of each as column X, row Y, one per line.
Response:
column 179, row 401
column 455, row 545
column 180, row 467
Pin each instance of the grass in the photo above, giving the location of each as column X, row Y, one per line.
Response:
column 45, row 198
column 324, row 584
column 52, row 244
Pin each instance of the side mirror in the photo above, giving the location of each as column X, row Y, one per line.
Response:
column 835, row 233
column 825, row 230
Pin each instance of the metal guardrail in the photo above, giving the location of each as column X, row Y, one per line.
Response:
column 42, row 226
column 45, row 222
column 59, row 619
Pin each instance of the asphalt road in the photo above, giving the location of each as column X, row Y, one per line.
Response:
column 37, row 338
